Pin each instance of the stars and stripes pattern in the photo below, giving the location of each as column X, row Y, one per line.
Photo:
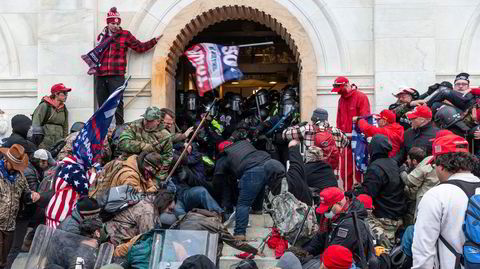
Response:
column 72, row 182
column 360, row 145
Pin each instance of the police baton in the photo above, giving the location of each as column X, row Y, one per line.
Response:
column 191, row 139
column 363, row 259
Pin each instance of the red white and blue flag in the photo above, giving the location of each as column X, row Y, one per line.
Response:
column 88, row 143
column 214, row 64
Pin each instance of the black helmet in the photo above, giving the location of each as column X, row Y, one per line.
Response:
column 261, row 97
column 191, row 100
column 77, row 126
column 288, row 106
column 263, row 114
column 181, row 98
column 236, row 102
column 273, row 96
column 447, row 116
column 289, row 93
column 246, row 264
column 213, row 106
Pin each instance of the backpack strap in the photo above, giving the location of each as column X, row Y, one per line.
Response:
column 469, row 189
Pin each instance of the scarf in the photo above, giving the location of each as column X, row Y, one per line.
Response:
column 94, row 57
column 7, row 176
column 324, row 225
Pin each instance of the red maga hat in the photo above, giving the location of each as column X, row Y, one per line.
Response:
column 339, row 83
column 328, row 197
column 420, row 112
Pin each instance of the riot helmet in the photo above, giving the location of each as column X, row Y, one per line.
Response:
column 181, row 98
column 447, row 116
column 236, row 102
column 263, row 114
column 261, row 97
column 273, row 96
column 288, row 106
column 289, row 93
column 213, row 107
column 191, row 100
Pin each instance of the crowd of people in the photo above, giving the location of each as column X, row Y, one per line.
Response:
column 405, row 211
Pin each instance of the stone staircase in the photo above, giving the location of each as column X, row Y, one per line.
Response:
column 259, row 227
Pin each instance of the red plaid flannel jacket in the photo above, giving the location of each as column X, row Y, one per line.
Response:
column 307, row 133
column 114, row 61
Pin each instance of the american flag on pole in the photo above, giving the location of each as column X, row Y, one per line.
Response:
column 214, row 64
column 73, row 179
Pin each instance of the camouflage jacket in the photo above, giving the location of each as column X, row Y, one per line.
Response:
column 10, row 195
column 135, row 139
column 135, row 220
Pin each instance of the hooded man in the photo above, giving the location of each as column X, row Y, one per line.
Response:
column 275, row 173
column 336, row 226
column 419, row 135
column 20, row 127
column 111, row 73
column 352, row 103
column 382, row 182
column 387, row 126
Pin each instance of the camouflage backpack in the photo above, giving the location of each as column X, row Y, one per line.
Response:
column 288, row 214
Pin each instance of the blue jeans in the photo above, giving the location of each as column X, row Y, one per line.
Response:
column 407, row 241
column 249, row 186
column 196, row 197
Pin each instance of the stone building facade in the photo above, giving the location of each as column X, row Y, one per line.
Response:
column 379, row 44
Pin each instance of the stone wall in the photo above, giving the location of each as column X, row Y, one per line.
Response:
column 379, row 44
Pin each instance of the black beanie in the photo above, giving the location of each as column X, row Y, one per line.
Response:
column 88, row 207
column 463, row 76
column 319, row 114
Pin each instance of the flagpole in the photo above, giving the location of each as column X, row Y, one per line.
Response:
column 256, row 44
column 191, row 139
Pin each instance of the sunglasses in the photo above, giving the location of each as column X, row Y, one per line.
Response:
column 338, row 85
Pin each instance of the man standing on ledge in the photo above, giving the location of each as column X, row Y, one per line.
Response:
column 352, row 103
column 111, row 73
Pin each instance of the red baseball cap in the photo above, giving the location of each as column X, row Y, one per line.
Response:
column 366, row 201
column 339, row 83
column 441, row 133
column 387, row 115
column 222, row 145
column 420, row 112
column 59, row 87
column 448, row 144
column 337, row 257
column 328, row 197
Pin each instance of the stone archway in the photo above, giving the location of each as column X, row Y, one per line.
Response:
column 200, row 14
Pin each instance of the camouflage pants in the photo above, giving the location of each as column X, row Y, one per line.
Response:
column 383, row 230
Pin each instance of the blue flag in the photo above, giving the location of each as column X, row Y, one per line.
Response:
column 89, row 141
column 360, row 145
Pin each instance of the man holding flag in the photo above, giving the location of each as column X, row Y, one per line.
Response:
column 75, row 177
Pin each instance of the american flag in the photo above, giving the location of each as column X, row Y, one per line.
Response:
column 73, row 180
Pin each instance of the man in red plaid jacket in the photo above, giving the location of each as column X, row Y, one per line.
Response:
column 111, row 73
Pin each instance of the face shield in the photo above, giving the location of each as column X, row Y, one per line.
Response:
column 191, row 103
column 288, row 108
column 261, row 99
column 236, row 104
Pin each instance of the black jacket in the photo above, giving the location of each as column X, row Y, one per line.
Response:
column 416, row 138
column 275, row 172
column 382, row 181
column 240, row 157
column 320, row 175
column 20, row 126
column 342, row 232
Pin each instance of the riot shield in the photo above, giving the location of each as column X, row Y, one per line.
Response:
column 171, row 247
column 54, row 248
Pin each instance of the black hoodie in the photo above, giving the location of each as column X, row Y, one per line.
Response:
column 20, row 126
column 275, row 172
column 382, row 181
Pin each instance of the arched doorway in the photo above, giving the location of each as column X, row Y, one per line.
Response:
column 201, row 14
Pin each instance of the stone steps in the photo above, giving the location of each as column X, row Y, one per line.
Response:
column 259, row 228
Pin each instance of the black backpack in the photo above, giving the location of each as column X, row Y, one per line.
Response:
column 116, row 200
